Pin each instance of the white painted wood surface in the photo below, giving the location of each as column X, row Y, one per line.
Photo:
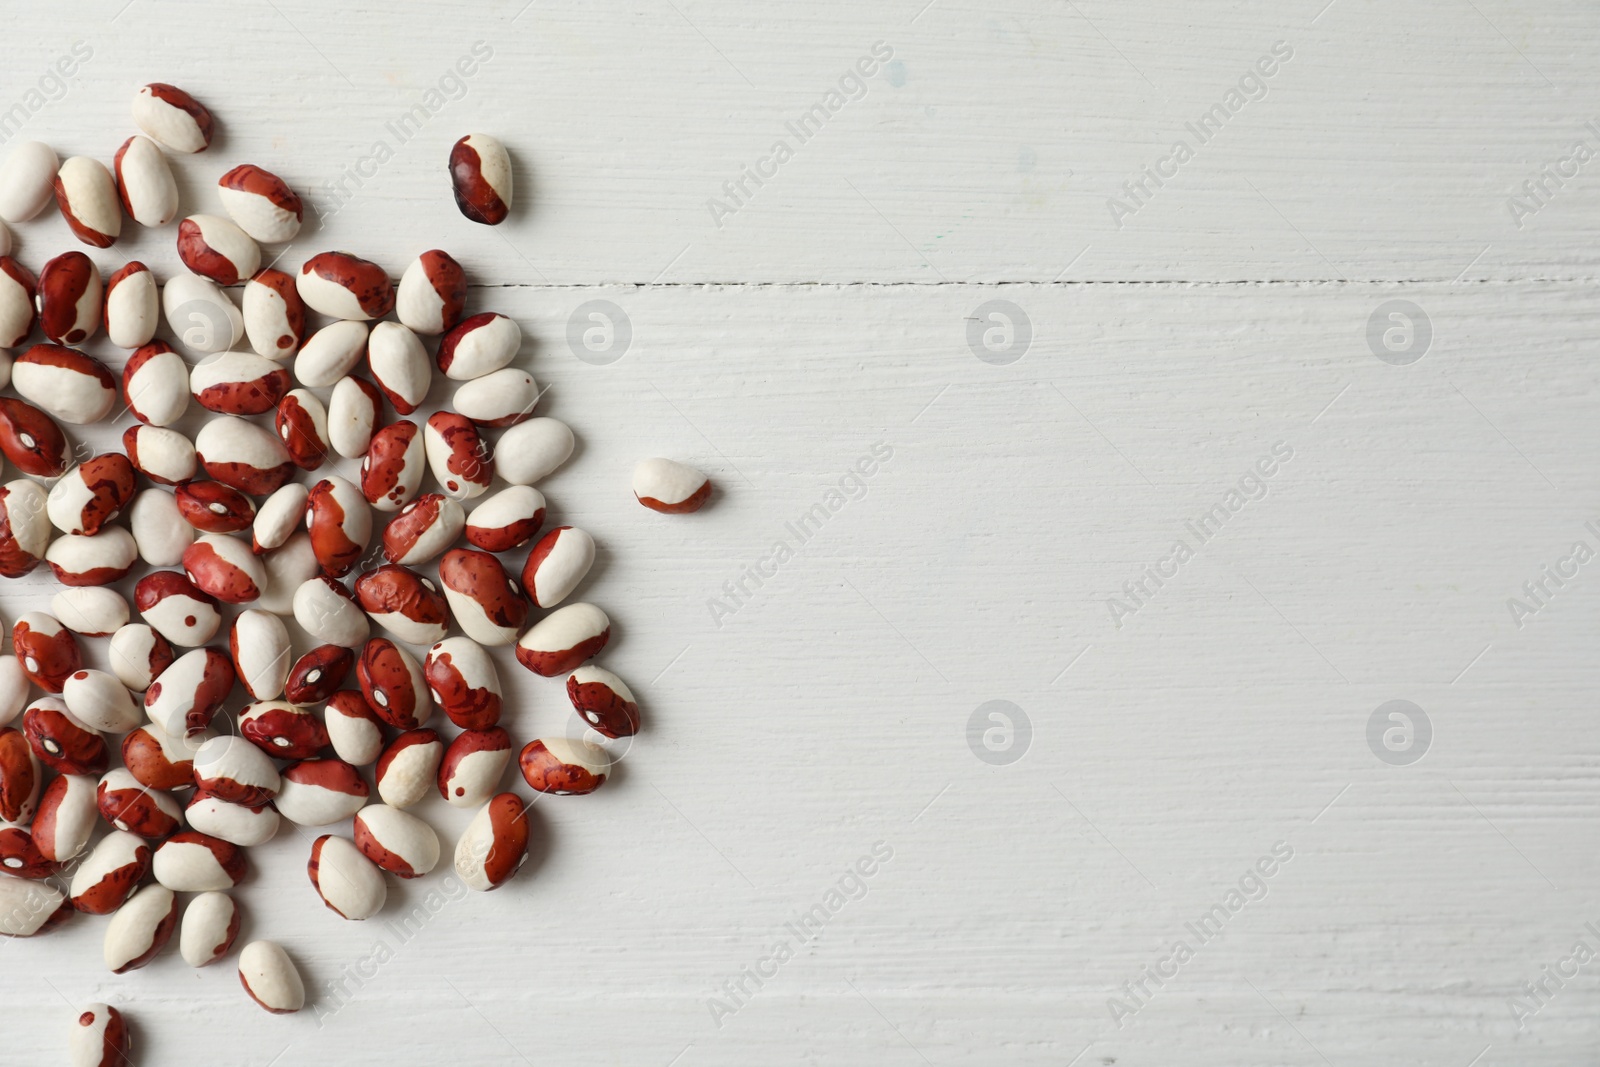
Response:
column 830, row 711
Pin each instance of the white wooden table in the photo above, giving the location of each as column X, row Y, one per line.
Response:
column 1059, row 372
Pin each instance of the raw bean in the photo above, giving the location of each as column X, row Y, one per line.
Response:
column 191, row 862
column 458, row 457
column 20, row 856
column 423, row 529
column 480, row 172
column 318, row 792
column 269, row 976
column 556, row 565
column 18, row 313
column 282, row 730
column 563, row 766
column 259, row 644
column 331, row 353
column 27, row 181
column 564, row 639
column 404, row 603
column 302, row 422
column 62, row 741
column 318, row 674
column 399, row 365
column 32, row 441
column 494, row 845
column 230, row 768
column 393, row 468
column 238, row 383
column 13, row 688
column 145, row 185
column 66, row 817
column 158, row 759
column 343, row 286
column 502, row 398
column 20, row 777
column 172, row 117
column 209, row 927
column 473, row 766
column 87, row 197
column 278, row 517
column 462, row 680
column 238, row 824
column 24, row 527
column 604, row 701
column 138, row 655
column 69, row 299
column 212, row 507
column 329, row 613
column 28, row 907
column 243, row 455
column 340, row 524
column 160, row 454
column 431, row 294
column 155, row 384
column 71, row 386
column 261, row 203
column 392, row 683
column 530, row 451
column 288, row 567
column 92, row 559
column 159, row 528
column 216, row 248
column 408, row 767
column 187, row 694
column 47, row 650
column 348, row 883
column 353, row 411
column 397, row 841
column 201, row 315
column 274, row 314
column 101, row 702
column 91, row 611
column 224, row 567
column 479, row 345
column 353, row 730
column 141, row 928
column 507, row 520
column 128, row 805
column 133, row 306
column 109, row 875
column 485, row 601
column 100, row 1038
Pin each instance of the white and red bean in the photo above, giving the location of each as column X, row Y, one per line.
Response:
column 269, row 976
column 431, row 294
column 145, row 184
column 69, row 299
column 495, row 843
column 209, row 926
column 132, row 306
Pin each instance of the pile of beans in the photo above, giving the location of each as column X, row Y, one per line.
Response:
column 228, row 545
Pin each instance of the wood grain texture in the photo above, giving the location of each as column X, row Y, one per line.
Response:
column 828, row 709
